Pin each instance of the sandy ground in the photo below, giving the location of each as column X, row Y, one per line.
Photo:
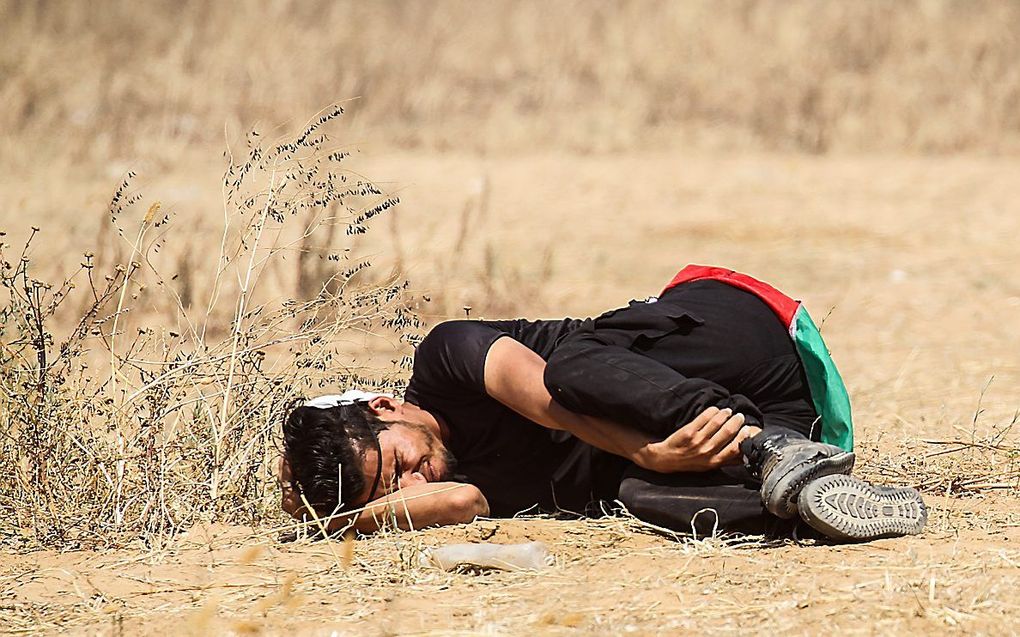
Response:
column 912, row 264
column 610, row 578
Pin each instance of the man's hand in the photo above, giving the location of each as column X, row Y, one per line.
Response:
column 710, row 441
column 290, row 501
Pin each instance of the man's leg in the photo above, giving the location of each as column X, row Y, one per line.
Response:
column 838, row 506
column 701, row 504
column 783, row 461
column 646, row 365
column 811, row 481
column 609, row 370
column 655, row 366
column 785, row 456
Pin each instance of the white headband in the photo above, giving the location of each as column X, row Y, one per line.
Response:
column 349, row 397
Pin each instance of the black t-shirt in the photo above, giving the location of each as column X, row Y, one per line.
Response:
column 517, row 464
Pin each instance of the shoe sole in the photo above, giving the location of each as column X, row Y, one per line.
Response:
column 779, row 494
column 847, row 508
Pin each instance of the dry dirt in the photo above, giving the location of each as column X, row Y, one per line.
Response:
column 610, row 578
column 912, row 264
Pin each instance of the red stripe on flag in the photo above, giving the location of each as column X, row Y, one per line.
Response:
column 784, row 307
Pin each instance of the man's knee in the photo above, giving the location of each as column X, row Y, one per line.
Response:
column 564, row 375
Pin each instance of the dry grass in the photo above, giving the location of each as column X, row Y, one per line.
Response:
column 150, row 437
column 893, row 289
column 965, row 465
column 147, row 77
column 861, row 237
column 611, row 576
column 118, row 425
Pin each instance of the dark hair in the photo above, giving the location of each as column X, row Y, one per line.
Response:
column 316, row 441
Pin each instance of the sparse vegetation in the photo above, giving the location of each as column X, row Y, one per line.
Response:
column 128, row 426
column 551, row 159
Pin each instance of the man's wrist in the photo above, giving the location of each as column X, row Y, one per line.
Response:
column 645, row 456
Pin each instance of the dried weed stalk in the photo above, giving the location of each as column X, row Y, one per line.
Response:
column 967, row 464
column 117, row 429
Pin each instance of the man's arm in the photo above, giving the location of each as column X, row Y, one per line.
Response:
column 514, row 376
column 420, row 505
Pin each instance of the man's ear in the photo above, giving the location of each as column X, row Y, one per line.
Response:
column 385, row 407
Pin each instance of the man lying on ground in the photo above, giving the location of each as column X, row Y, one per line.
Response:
column 712, row 407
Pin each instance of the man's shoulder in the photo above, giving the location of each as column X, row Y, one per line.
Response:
column 451, row 358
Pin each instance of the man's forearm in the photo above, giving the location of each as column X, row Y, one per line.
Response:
column 606, row 435
column 419, row 506
column 513, row 376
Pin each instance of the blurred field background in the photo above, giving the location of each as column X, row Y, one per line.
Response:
column 550, row 158
column 121, row 78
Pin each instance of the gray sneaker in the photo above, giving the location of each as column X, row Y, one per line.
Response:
column 786, row 462
column 847, row 508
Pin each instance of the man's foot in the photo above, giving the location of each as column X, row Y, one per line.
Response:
column 846, row 508
column 785, row 463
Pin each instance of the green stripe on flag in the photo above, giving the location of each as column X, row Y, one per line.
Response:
column 827, row 390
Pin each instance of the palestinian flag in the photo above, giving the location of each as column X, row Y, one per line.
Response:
column 828, row 393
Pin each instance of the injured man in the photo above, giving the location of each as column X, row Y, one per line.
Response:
column 714, row 406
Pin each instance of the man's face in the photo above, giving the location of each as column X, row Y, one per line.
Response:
column 411, row 455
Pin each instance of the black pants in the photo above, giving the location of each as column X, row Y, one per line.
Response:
column 725, row 500
column 654, row 366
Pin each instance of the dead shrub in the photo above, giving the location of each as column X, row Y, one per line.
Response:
column 137, row 423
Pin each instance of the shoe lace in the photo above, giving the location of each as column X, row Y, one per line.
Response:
column 761, row 458
column 773, row 455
